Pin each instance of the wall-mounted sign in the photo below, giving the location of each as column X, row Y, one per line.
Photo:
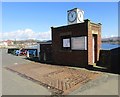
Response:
column 94, row 32
column 66, row 42
column 79, row 43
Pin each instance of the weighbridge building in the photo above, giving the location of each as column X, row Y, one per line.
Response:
column 75, row 44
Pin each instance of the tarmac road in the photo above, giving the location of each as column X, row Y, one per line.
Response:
column 13, row 84
column 9, row 59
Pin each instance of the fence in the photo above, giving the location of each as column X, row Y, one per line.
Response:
column 109, row 59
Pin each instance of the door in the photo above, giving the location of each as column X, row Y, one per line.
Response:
column 44, row 58
column 93, row 48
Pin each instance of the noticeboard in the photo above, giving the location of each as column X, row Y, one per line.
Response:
column 79, row 43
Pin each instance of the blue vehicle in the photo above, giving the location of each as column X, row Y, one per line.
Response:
column 17, row 53
column 31, row 53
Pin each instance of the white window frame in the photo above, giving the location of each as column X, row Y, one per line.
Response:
column 66, row 42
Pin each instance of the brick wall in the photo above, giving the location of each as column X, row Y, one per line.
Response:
column 72, row 57
column 97, row 28
column 46, row 53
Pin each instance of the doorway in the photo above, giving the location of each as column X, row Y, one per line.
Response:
column 94, row 48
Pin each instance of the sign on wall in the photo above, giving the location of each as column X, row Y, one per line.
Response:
column 94, row 32
column 79, row 43
column 66, row 42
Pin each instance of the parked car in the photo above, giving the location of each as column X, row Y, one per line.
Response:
column 17, row 53
column 21, row 52
column 31, row 53
column 14, row 52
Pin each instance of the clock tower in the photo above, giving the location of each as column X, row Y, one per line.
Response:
column 75, row 16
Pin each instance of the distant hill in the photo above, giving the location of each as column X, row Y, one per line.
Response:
column 113, row 40
column 25, row 41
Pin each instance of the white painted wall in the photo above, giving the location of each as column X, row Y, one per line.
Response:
column 38, row 49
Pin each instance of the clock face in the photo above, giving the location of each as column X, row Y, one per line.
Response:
column 72, row 15
column 80, row 16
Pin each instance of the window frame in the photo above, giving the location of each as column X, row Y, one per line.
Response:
column 65, row 37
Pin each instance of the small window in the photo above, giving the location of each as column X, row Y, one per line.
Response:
column 66, row 42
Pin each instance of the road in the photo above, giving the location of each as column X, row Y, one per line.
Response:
column 13, row 84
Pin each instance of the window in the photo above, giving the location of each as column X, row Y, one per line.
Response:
column 66, row 42
column 74, row 43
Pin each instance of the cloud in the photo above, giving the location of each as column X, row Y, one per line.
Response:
column 25, row 34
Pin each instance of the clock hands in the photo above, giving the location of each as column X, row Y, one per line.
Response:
column 72, row 15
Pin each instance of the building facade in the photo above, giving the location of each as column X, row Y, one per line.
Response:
column 75, row 44
column 82, row 46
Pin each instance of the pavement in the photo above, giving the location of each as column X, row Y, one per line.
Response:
column 106, row 85
column 16, row 85
column 13, row 84
column 59, row 79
